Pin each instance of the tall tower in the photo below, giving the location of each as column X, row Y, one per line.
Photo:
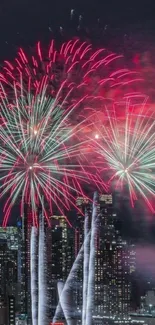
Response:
column 25, row 264
column 112, row 287
column 3, row 303
column 60, row 257
column 8, row 273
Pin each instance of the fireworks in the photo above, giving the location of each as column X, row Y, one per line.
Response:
column 45, row 101
column 41, row 152
column 127, row 149
column 94, row 74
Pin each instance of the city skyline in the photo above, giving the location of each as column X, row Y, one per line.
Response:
column 68, row 240
column 77, row 162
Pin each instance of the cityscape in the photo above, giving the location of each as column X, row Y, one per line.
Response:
column 65, row 263
column 77, row 162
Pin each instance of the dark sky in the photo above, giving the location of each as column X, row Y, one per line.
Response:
column 23, row 22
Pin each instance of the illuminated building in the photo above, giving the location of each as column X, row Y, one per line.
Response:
column 147, row 305
column 132, row 259
column 112, row 263
column 3, row 296
column 11, row 311
column 60, row 257
column 8, row 274
column 24, row 234
column 112, row 287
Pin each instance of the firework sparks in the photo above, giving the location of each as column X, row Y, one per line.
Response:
column 41, row 152
column 90, row 73
column 127, row 148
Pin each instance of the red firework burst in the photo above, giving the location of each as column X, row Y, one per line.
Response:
column 41, row 154
column 90, row 73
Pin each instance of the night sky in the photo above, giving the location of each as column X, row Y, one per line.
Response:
column 24, row 22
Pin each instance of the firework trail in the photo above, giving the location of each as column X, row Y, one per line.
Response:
column 60, row 286
column 42, row 283
column 85, row 266
column 68, row 285
column 91, row 276
column 126, row 146
column 34, row 293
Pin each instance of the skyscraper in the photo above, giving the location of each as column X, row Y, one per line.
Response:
column 112, row 262
column 3, row 296
column 112, row 287
column 24, row 235
column 8, row 273
column 60, row 257
column 11, row 310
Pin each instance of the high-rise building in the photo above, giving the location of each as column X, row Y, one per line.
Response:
column 112, row 287
column 60, row 257
column 132, row 259
column 11, row 310
column 24, row 292
column 8, row 273
column 3, row 296
column 59, row 251
column 112, row 262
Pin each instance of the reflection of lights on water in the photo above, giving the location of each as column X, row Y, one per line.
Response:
column 96, row 136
